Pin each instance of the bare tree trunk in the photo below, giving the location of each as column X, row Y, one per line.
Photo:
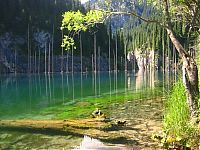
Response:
column 15, row 61
column 109, row 48
column 52, row 49
column 49, row 59
column 28, row 49
column 190, row 70
column 62, row 57
column 116, row 49
column 95, row 53
column 45, row 59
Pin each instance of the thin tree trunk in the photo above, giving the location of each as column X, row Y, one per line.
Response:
column 35, row 67
column 15, row 61
column 52, row 49
column 67, row 67
column 72, row 60
column 30, row 63
column 109, row 48
column 81, row 52
column 49, row 60
column 39, row 63
column 163, row 50
column 28, row 49
column 95, row 53
column 45, row 59
column 61, row 69
column 190, row 70
column 116, row 49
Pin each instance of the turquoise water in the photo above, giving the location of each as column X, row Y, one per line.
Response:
column 24, row 94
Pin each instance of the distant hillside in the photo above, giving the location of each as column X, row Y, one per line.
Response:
column 117, row 5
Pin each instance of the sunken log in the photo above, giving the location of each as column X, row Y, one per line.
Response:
column 91, row 127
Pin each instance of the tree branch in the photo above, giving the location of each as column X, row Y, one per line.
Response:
column 111, row 13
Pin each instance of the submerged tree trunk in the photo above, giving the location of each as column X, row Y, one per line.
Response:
column 190, row 70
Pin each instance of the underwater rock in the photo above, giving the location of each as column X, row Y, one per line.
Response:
column 98, row 114
column 121, row 123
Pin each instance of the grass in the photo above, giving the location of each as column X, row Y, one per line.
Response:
column 177, row 119
column 177, row 112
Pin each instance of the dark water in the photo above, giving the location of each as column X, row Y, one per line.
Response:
column 23, row 94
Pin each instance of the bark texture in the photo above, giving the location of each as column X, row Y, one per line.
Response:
column 190, row 70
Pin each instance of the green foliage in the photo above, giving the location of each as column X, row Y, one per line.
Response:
column 68, row 42
column 145, row 36
column 177, row 127
column 75, row 22
column 177, row 112
column 93, row 17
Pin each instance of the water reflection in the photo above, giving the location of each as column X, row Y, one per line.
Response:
column 23, row 94
column 94, row 144
column 147, row 79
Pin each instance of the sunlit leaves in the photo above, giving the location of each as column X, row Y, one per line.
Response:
column 74, row 22
column 94, row 16
column 68, row 42
column 185, row 11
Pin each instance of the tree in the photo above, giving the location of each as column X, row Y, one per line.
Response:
column 190, row 70
column 167, row 12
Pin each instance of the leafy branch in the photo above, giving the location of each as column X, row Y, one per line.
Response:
column 74, row 22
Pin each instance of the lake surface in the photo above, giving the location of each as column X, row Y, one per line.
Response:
column 21, row 95
column 25, row 96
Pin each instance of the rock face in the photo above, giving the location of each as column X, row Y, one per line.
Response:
column 5, row 49
column 38, row 52
column 145, row 59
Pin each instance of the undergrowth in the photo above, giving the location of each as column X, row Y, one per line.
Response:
column 177, row 126
column 177, row 112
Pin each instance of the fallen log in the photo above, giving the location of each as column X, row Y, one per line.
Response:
column 56, row 124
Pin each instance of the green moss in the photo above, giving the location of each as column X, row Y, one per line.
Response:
column 84, row 108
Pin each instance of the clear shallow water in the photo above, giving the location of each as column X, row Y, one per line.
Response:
column 24, row 94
